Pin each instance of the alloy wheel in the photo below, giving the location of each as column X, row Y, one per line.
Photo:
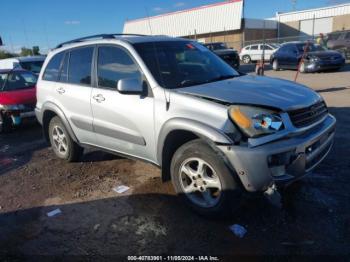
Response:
column 60, row 140
column 199, row 182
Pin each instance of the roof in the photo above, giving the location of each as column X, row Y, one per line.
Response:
column 2, row 71
column 26, row 58
column 212, row 18
column 321, row 12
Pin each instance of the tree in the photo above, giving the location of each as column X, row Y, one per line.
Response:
column 5, row 54
column 26, row 51
column 36, row 50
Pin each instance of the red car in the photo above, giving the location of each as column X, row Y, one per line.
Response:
column 17, row 98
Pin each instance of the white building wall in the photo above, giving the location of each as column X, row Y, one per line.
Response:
column 206, row 19
column 314, row 13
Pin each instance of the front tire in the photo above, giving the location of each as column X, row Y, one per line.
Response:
column 5, row 124
column 203, row 180
column 61, row 142
column 275, row 65
column 246, row 59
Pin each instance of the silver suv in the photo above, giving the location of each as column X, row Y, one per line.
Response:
column 214, row 132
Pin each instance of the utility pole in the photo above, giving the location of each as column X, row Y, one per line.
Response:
column 294, row 5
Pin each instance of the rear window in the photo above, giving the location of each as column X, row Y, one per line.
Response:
column 80, row 61
column 53, row 68
column 17, row 80
column 33, row 66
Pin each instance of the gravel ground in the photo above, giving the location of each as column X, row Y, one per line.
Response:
column 149, row 219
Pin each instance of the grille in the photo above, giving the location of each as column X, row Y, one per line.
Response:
column 308, row 115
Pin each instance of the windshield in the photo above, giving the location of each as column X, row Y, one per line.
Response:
column 16, row 81
column 310, row 47
column 33, row 66
column 176, row 64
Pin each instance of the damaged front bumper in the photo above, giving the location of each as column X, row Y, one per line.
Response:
column 281, row 161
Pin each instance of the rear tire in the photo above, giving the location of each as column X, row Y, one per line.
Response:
column 246, row 59
column 5, row 124
column 61, row 142
column 203, row 180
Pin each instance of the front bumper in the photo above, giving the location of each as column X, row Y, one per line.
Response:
column 324, row 65
column 281, row 161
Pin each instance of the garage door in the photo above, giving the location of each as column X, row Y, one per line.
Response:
column 322, row 25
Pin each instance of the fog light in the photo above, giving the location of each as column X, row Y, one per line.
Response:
column 278, row 171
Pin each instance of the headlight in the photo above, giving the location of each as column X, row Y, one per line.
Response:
column 12, row 107
column 314, row 59
column 255, row 121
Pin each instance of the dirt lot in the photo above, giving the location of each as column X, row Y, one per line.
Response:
column 149, row 219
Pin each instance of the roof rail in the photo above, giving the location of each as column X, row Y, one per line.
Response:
column 91, row 37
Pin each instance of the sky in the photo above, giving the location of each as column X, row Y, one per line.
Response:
column 48, row 22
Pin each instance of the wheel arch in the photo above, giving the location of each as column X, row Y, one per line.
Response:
column 178, row 131
column 51, row 110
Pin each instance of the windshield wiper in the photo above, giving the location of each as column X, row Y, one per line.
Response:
column 189, row 82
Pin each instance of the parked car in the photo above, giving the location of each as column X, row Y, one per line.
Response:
column 171, row 102
column 253, row 53
column 340, row 41
column 17, row 98
column 316, row 58
column 229, row 55
column 30, row 63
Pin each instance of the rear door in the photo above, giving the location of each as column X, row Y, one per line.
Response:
column 122, row 122
column 255, row 52
column 73, row 92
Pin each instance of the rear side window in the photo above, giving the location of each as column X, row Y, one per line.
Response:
column 254, row 47
column 79, row 71
column 114, row 64
column 53, row 68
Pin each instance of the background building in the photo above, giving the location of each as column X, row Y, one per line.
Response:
column 219, row 22
column 314, row 21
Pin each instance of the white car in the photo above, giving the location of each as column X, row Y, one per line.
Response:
column 254, row 52
column 30, row 63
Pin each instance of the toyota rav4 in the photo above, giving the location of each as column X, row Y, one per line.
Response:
column 215, row 133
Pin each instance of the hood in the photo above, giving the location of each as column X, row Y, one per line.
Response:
column 324, row 54
column 256, row 90
column 24, row 96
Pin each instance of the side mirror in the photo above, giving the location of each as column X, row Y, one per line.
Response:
column 130, row 86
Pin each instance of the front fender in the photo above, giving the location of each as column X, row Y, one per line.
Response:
column 200, row 129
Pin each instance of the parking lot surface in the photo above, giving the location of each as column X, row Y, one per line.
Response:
column 149, row 219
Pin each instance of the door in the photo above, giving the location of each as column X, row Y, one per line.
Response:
column 268, row 51
column 255, row 52
column 122, row 122
column 291, row 56
column 73, row 92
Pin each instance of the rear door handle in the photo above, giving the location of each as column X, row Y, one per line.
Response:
column 99, row 98
column 60, row 90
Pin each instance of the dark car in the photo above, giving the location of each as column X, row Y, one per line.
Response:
column 316, row 58
column 340, row 41
column 229, row 55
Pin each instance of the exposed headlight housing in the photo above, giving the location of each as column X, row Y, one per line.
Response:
column 255, row 121
column 314, row 59
column 12, row 107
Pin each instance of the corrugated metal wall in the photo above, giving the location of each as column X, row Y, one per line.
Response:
column 318, row 13
column 206, row 19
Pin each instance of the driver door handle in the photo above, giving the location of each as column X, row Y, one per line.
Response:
column 60, row 90
column 99, row 98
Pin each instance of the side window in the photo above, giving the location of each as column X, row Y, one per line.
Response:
column 53, row 68
column 247, row 48
column 64, row 69
column 113, row 64
column 79, row 70
column 254, row 47
column 347, row 36
column 266, row 47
